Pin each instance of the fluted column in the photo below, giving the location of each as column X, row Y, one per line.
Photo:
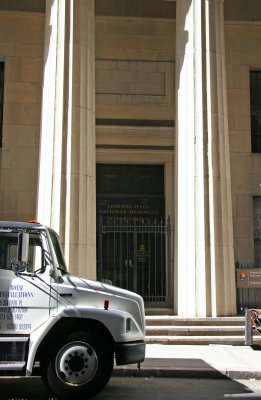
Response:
column 66, row 189
column 203, row 236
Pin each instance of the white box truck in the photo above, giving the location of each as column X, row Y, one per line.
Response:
column 71, row 328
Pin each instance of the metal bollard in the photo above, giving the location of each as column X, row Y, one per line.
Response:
column 248, row 328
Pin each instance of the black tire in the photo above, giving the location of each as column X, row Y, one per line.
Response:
column 80, row 366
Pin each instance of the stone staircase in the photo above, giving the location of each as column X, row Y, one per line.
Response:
column 167, row 329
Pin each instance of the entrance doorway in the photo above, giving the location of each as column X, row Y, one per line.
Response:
column 132, row 235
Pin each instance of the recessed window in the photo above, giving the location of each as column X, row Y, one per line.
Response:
column 255, row 105
column 1, row 100
column 257, row 229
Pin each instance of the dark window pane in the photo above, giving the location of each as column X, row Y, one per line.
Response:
column 255, row 105
column 130, row 191
column 130, row 179
column 257, row 230
column 1, row 100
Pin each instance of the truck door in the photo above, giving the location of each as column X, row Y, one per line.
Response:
column 25, row 296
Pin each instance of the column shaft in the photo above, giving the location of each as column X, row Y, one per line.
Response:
column 203, row 236
column 66, row 194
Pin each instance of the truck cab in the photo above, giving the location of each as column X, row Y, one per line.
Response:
column 71, row 328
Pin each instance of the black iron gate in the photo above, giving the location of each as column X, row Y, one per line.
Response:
column 135, row 254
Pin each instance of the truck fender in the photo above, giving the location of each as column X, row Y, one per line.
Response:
column 114, row 321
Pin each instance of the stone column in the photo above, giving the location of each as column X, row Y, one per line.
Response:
column 204, row 256
column 66, row 188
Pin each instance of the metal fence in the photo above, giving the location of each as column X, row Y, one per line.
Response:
column 135, row 254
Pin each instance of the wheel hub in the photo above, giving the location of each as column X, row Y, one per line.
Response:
column 76, row 363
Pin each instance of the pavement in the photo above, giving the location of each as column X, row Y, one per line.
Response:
column 199, row 361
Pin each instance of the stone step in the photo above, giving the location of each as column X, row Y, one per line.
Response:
column 168, row 320
column 195, row 330
column 200, row 340
column 159, row 311
column 168, row 329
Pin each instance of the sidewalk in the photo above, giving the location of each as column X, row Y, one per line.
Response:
column 210, row 361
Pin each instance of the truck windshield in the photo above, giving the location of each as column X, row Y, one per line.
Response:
column 57, row 251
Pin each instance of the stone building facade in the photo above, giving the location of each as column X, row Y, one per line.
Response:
column 140, row 111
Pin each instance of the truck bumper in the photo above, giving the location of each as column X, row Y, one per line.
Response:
column 129, row 353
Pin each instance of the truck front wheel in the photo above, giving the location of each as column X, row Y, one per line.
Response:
column 79, row 366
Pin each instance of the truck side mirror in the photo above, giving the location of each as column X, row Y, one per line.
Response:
column 18, row 264
column 23, row 247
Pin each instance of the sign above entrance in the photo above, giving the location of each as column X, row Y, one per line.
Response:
column 131, row 207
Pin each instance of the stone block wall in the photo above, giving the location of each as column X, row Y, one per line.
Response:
column 135, row 82
column 135, row 68
column 21, row 49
